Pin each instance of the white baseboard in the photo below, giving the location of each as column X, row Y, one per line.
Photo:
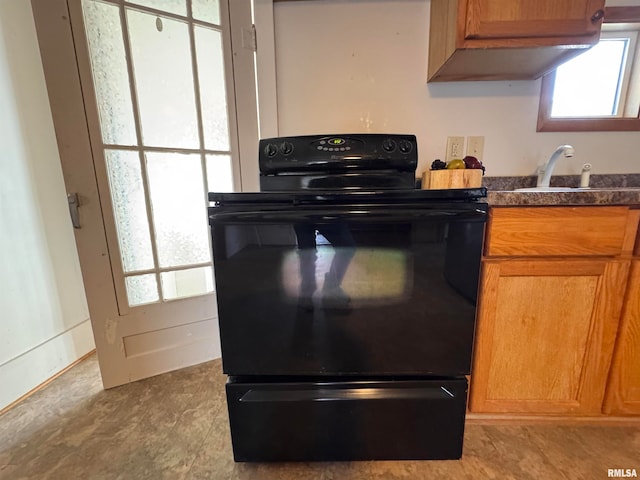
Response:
column 25, row 372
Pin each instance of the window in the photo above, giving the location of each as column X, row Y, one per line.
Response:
column 605, row 70
column 600, row 89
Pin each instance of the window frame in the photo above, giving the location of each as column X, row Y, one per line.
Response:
column 546, row 123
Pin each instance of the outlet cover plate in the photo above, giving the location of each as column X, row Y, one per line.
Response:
column 475, row 147
column 455, row 148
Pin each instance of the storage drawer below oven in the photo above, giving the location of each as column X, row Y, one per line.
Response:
column 357, row 420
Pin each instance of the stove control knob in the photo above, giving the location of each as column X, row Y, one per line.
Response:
column 388, row 145
column 270, row 150
column 286, row 148
column 405, row 146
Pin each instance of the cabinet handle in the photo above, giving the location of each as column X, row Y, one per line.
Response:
column 597, row 16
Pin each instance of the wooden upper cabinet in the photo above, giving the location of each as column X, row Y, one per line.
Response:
column 508, row 39
column 533, row 19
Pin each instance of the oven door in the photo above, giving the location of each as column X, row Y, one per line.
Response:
column 350, row 290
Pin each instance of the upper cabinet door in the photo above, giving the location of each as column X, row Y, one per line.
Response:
column 532, row 19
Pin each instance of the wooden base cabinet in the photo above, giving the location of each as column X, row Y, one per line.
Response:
column 623, row 392
column 558, row 330
column 546, row 333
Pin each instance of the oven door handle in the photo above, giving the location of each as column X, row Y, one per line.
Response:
column 355, row 214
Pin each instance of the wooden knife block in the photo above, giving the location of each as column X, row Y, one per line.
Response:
column 457, row 178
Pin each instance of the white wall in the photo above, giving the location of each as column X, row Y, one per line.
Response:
column 44, row 319
column 361, row 66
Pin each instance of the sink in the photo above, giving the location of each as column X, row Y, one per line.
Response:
column 551, row 189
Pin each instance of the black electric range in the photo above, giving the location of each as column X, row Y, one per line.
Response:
column 346, row 303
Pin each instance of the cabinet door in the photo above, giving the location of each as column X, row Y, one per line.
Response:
column 545, row 335
column 623, row 391
column 526, row 18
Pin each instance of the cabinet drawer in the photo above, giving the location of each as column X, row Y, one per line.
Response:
column 345, row 421
column 551, row 231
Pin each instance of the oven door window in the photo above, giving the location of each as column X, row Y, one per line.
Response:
column 348, row 294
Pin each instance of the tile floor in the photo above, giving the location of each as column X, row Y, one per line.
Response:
column 174, row 426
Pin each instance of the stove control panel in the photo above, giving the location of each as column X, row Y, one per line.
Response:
column 338, row 153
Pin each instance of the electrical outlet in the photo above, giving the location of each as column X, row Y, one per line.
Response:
column 455, row 147
column 475, row 147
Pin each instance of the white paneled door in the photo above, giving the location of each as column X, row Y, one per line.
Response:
column 142, row 97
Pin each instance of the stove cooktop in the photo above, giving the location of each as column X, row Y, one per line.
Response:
column 350, row 197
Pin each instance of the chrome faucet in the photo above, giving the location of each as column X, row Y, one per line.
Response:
column 567, row 150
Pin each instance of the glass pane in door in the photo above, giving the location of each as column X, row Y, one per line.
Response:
column 130, row 210
column 142, row 289
column 206, row 10
column 163, row 72
column 211, row 76
column 219, row 173
column 186, row 283
column 179, row 208
column 179, row 7
column 110, row 77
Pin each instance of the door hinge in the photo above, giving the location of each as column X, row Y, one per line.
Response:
column 249, row 40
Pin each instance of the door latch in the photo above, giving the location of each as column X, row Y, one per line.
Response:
column 74, row 203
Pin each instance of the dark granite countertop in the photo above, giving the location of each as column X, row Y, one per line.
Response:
column 614, row 189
